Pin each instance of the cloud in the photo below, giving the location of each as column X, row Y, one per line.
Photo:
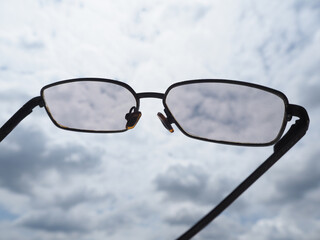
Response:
column 54, row 221
column 297, row 182
column 279, row 228
column 182, row 183
column 73, row 198
column 5, row 215
column 184, row 216
column 31, row 44
column 150, row 46
column 192, row 183
column 312, row 99
column 301, row 184
column 26, row 159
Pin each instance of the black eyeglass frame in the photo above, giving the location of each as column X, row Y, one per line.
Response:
column 287, row 117
column 281, row 145
column 122, row 84
column 170, row 116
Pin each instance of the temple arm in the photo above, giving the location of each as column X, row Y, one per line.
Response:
column 295, row 133
column 24, row 111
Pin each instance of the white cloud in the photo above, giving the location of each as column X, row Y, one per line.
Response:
column 119, row 187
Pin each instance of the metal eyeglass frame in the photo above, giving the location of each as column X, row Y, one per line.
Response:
column 281, row 144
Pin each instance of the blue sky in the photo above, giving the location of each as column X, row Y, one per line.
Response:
column 148, row 183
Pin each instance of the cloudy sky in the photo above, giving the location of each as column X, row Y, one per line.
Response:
column 147, row 183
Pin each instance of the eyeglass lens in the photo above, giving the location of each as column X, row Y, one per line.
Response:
column 227, row 112
column 89, row 105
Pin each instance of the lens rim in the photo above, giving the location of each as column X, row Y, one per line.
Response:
column 122, row 84
column 233, row 82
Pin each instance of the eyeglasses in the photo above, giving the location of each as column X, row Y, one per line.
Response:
column 212, row 110
column 221, row 111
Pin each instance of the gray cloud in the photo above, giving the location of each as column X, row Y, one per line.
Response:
column 83, row 222
column 182, row 183
column 296, row 184
column 184, row 217
column 192, row 183
column 24, row 164
column 54, row 220
column 310, row 95
column 224, row 227
column 74, row 198
column 84, row 197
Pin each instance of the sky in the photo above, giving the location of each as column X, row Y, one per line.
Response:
column 147, row 183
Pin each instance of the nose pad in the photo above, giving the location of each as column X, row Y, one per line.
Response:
column 165, row 122
column 132, row 118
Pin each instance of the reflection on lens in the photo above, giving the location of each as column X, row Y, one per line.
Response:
column 227, row 112
column 89, row 105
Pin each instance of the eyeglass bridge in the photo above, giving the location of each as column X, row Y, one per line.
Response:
column 165, row 120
